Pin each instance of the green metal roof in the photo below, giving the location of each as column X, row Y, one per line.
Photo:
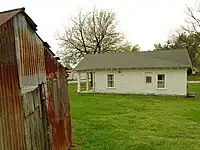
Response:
column 142, row 59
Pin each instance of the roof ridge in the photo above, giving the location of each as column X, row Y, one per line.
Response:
column 149, row 51
column 19, row 9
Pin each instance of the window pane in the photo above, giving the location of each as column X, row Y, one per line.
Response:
column 161, row 84
column 110, row 77
column 110, row 80
column 110, row 84
column 148, row 79
column 161, row 77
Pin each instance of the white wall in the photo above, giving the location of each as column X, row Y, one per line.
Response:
column 133, row 81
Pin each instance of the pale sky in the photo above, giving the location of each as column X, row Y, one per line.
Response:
column 144, row 22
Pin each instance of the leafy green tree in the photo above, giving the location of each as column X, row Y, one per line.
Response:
column 159, row 46
column 127, row 47
column 183, row 41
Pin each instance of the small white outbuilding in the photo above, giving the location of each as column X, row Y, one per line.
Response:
column 144, row 72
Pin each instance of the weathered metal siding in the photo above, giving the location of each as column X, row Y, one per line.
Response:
column 11, row 115
column 66, row 102
column 35, row 133
column 51, row 65
column 30, row 53
column 58, row 104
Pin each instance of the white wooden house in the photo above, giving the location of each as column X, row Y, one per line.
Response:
column 145, row 72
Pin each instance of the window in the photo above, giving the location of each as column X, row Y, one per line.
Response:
column 148, row 79
column 161, row 81
column 110, row 79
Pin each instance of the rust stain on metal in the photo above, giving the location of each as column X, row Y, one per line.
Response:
column 58, row 103
column 25, row 63
column 31, row 55
column 11, row 115
column 51, row 65
column 30, row 52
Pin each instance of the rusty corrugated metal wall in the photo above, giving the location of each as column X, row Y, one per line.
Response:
column 23, row 66
column 30, row 53
column 11, row 114
column 31, row 69
column 58, row 104
column 65, row 99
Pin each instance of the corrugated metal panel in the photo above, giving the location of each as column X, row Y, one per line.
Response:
column 58, row 104
column 30, row 53
column 34, row 130
column 11, row 115
column 66, row 103
column 33, row 67
column 23, row 66
column 51, row 65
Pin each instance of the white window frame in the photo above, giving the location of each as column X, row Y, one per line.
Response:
column 113, row 80
column 158, row 80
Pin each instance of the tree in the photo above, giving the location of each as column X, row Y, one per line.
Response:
column 159, row 46
column 191, row 43
column 129, row 48
column 192, row 29
column 193, row 21
column 135, row 48
column 183, row 41
column 189, row 37
column 91, row 33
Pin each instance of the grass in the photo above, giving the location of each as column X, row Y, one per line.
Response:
column 135, row 122
column 194, row 77
column 194, row 88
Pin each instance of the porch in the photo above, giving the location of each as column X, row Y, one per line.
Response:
column 89, row 82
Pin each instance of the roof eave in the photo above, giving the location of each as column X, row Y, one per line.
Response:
column 170, row 67
column 30, row 21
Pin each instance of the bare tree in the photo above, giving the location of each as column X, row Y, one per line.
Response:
column 189, row 36
column 91, row 33
column 193, row 21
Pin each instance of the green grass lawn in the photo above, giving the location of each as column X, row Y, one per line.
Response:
column 134, row 122
column 194, row 77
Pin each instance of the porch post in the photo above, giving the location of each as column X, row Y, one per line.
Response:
column 87, row 81
column 93, row 80
column 79, row 82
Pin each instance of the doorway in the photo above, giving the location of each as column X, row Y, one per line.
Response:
column 92, row 80
column 148, row 82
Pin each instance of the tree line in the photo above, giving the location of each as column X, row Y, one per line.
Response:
column 187, row 37
column 96, row 32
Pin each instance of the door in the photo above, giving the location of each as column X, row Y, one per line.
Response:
column 35, row 129
column 148, row 82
